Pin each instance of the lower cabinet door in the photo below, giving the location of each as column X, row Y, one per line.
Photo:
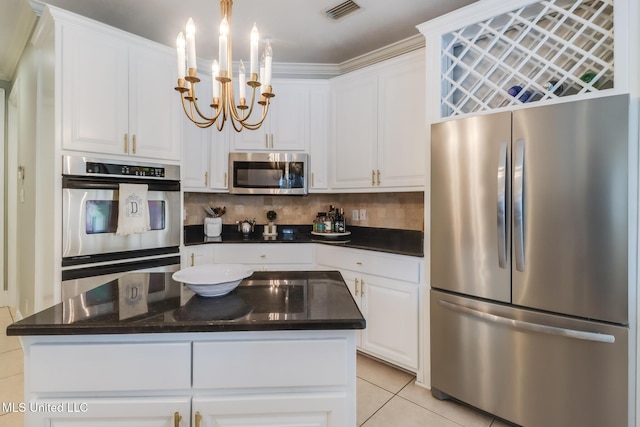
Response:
column 109, row 412
column 284, row 410
column 391, row 310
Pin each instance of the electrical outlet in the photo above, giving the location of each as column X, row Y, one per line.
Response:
column 354, row 215
column 363, row 214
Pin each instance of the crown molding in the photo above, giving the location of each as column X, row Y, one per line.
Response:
column 37, row 6
column 390, row 51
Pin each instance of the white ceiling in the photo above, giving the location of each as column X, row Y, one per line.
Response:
column 298, row 29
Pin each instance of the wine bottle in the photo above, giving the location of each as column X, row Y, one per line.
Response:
column 552, row 85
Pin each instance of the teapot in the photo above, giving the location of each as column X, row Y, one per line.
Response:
column 245, row 226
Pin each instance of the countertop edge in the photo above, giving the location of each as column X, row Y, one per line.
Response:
column 413, row 250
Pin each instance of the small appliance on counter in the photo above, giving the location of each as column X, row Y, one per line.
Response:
column 246, row 226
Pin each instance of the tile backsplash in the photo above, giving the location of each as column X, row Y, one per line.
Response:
column 384, row 210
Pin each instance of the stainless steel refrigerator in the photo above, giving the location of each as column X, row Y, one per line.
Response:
column 530, row 243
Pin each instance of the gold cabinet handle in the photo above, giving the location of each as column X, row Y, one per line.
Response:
column 266, row 140
column 134, row 144
column 225, row 179
column 176, row 419
column 206, row 179
column 198, row 418
column 193, row 258
column 313, row 180
column 271, row 140
column 361, row 287
column 263, row 256
column 373, row 177
column 358, row 262
column 356, row 281
column 378, row 176
column 126, row 143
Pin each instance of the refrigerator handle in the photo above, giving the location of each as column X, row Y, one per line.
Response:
column 518, row 204
column 528, row 326
column 502, row 206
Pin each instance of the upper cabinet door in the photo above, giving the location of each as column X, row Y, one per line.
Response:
column 354, row 135
column 154, row 107
column 286, row 126
column 402, row 127
column 95, row 76
column 117, row 95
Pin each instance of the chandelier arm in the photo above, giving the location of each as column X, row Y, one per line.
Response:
column 195, row 104
column 254, row 126
column 191, row 116
column 243, row 119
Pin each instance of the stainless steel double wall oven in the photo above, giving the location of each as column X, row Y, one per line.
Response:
column 92, row 252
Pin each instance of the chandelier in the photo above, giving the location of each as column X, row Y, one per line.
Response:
column 223, row 101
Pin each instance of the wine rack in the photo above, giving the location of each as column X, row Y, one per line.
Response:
column 540, row 51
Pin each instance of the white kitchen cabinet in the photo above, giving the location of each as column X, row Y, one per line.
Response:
column 319, row 137
column 102, row 412
column 196, row 149
column 378, row 118
column 196, row 255
column 286, row 126
column 265, row 256
column 391, row 311
column 386, row 288
column 117, row 94
column 277, row 409
column 205, row 158
column 278, row 378
column 354, row 137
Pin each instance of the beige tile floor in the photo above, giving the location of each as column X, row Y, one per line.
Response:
column 387, row 397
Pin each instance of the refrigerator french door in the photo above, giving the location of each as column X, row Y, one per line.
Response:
column 529, row 263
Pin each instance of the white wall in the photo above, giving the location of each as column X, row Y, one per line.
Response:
column 23, row 99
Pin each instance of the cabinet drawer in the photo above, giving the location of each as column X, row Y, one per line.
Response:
column 274, row 363
column 109, row 367
column 264, row 253
column 384, row 265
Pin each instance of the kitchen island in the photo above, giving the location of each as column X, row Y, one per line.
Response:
column 144, row 350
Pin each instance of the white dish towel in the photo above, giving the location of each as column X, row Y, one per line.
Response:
column 133, row 209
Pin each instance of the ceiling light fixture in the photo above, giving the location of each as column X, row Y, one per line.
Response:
column 223, row 99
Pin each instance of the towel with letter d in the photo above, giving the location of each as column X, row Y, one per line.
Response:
column 133, row 209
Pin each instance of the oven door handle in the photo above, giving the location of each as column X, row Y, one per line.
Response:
column 95, row 183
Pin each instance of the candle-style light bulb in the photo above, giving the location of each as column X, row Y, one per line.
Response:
column 242, row 81
column 222, row 46
column 262, row 69
column 180, row 46
column 215, row 84
column 255, row 38
column 191, row 44
column 268, row 59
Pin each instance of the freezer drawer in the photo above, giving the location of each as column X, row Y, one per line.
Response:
column 530, row 368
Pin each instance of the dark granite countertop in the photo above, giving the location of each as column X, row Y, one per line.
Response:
column 401, row 242
column 155, row 303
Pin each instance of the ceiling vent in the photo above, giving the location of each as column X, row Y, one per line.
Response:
column 342, row 10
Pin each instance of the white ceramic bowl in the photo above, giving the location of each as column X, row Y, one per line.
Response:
column 213, row 280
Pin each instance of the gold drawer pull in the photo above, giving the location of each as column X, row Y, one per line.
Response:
column 176, row 419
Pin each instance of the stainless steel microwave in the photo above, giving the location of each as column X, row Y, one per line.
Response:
column 268, row 173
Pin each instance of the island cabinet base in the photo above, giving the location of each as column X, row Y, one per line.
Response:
column 191, row 379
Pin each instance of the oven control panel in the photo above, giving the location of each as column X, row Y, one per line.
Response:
column 124, row 170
